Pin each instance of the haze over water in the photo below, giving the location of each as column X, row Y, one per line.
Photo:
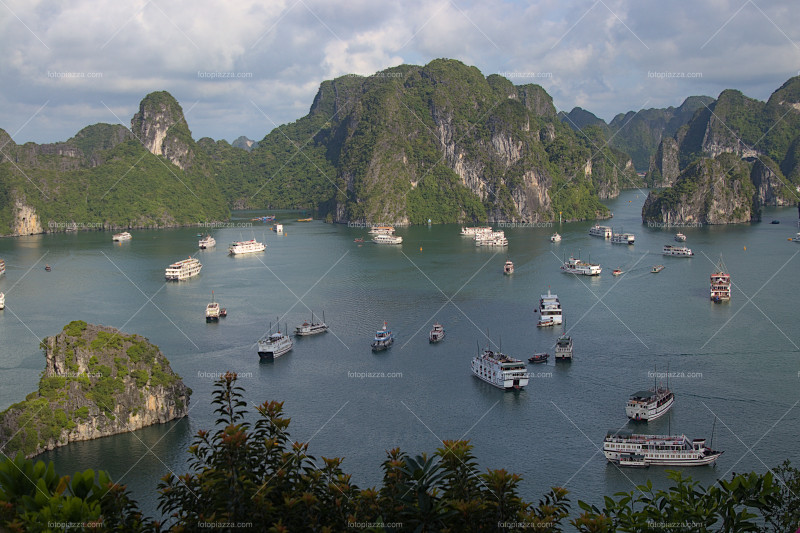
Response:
column 738, row 361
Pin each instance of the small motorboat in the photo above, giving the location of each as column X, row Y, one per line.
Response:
column 508, row 268
column 657, row 269
column 539, row 358
column 775, row 222
column 545, row 322
column 633, row 460
column 223, row 312
column 436, row 334
column 359, row 239
column 680, row 237
column 47, row 268
column 616, row 272
column 555, row 237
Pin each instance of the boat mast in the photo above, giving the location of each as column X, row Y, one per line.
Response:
column 713, row 426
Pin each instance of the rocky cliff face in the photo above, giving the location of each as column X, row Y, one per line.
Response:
column 161, row 127
column 711, row 191
column 97, row 382
column 664, row 169
column 26, row 221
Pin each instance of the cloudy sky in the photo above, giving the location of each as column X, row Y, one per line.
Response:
column 65, row 65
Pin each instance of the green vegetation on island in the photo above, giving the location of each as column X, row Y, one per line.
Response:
column 248, row 475
column 97, row 381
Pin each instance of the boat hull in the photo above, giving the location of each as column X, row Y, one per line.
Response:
column 273, row 353
column 613, row 457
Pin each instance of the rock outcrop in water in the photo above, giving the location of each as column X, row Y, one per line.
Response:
column 97, row 382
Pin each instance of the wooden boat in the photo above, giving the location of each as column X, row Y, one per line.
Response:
column 305, row 219
column 616, row 272
column 47, row 268
column 539, row 358
column 359, row 239
column 657, row 269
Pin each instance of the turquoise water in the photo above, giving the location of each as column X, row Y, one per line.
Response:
column 738, row 361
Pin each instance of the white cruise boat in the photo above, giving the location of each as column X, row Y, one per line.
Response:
column 555, row 237
column 623, row 238
column 274, row 345
column 246, row 247
column 550, row 310
column 677, row 251
column 311, row 328
column 386, row 238
column 680, row 237
column 277, row 228
column 500, row 370
column 2, row 301
column 471, row 232
column 182, row 270
column 647, row 405
column 124, row 236
column 659, row 450
column 563, row 350
column 492, row 238
column 720, row 284
column 206, row 242
column 576, row 266
column 381, row 230
column 601, row 231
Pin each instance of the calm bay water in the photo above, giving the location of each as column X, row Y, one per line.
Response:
column 739, row 361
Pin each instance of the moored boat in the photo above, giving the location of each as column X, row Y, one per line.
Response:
column 383, row 339
column 311, row 328
column 274, row 345
column 539, row 358
column 633, row 460
column 471, row 232
column 677, row 251
column 720, row 284
column 119, row 237
column 500, row 370
column 206, row 242
column 213, row 311
column 563, row 348
column 184, row 269
column 555, row 237
column 246, row 247
column 576, row 266
column 550, row 312
column 381, row 230
column 659, row 450
column 436, row 334
column 387, row 238
column 601, row 231
column 651, row 404
column 617, row 272
column 623, row 238
column 508, row 268
column 680, row 237
column 491, row 238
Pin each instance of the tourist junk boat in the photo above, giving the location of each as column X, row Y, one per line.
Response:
column 720, row 284
column 576, row 266
column 119, row 237
column 213, row 311
column 601, row 231
column 311, row 328
column 246, row 247
column 657, row 269
column 381, row 230
column 500, row 370
column 383, row 339
column 436, row 334
column 677, row 251
column 623, row 238
column 680, row 237
column 539, row 358
column 206, row 242
column 550, row 312
column 555, row 237
column 563, row 350
column 491, row 238
column 658, row 450
column 387, row 238
column 471, row 232
column 647, row 405
column 274, row 345
column 183, row 269
column 508, row 268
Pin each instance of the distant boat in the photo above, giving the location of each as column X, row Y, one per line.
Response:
column 601, row 231
column 206, row 242
column 277, row 228
column 623, row 238
column 246, row 247
column 385, row 238
column 305, row 219
column 564, row 348
column 796, row 237
column 539, row 358
column 617, row 272
column 212, row 310
column 633, row 460
column 657, row 269
column 436, row 334
column 508, row 268
column 274, row 345
column 180, row 270
column 680, row 237
column 545, row 322
column 2, row 266
column 775, row 222
column 677, row 251
column 555, row 237
column 2, row 301
column 47, row 268
column 358, row 239
column 312, row 327
column 124, row 236
column 383, row 339
column 720, row 284
column 267, row 218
